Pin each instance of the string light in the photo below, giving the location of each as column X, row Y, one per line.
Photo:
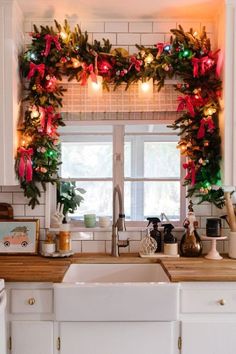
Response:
column 75, row 63
column 209, row 111
column 95, row 88
column 63, row 35
column 149, row 58
column 145, row 88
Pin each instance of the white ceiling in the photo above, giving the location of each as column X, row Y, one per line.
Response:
column 120, row 9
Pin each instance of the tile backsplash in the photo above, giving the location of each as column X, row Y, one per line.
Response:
column 121, row 34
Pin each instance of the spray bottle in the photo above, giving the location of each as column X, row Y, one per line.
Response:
column 155, row 233
column 170, row 242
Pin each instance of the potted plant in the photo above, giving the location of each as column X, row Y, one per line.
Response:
column 69, row 196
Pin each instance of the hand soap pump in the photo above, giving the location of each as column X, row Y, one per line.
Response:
column 170, row 242
column 155, row 233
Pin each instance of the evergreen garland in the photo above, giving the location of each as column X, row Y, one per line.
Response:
column 57, row 52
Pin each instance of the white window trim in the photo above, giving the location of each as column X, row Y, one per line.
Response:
column 118, row 167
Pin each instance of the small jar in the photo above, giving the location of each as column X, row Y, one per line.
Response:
column 49, row 245
column 171, row 249
column 64, row 239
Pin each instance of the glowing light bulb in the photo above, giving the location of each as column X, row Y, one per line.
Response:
column 145, row 88
column 95, row 88
column 63, row 35
column 34, row 114
column 75, row 63
column 149, row 58
column 33, row 56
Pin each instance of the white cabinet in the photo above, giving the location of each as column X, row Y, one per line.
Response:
column 30, row 318
column 208, row 337
column 31, row 337
column 118, row 337
column 208, row 318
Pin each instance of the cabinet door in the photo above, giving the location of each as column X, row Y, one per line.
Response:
column 118, row 337
column 32, row 337
column 208, row 337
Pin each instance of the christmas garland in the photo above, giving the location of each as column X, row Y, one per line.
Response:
column 58, row 52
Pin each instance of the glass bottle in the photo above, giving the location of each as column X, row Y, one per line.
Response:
column 190, row 244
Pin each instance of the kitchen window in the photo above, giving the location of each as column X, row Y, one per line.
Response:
column 142, row 159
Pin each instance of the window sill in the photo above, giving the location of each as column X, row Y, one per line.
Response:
column 108, row 229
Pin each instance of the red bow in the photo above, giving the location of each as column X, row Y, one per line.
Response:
column 202, row 63
column 88, row 70
column 217, row 59
column 207, row 121
column 185, row 102
column 49, row 39
column 25, row 165
column 160, row 47
column 47, row 119
column 34, row 67
column 136, row 63
column 191, row 171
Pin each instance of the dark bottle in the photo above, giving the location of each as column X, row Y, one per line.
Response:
column 168, row 237
column 190, row 244
column 155, row 233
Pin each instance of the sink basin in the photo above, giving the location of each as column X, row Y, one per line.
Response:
column 116, row 292
column 115, row 273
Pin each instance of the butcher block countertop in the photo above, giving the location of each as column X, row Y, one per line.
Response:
column 18, row 268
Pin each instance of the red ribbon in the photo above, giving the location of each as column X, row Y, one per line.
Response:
column 185, row 103
column 25, row 165
column 47, row 119
column 160, row 48
column 190, row 166
column 217, row 59
column 205, row 122
column 88, row 70
column 201, row 64
column 34, row 67
column 136, row 63
column 49, row 39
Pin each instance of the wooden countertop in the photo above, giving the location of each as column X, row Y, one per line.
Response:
column 40, row 269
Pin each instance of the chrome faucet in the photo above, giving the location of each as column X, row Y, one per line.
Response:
column 118, row 224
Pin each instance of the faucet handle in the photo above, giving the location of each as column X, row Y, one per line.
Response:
column 123, row 243
column 121, row 223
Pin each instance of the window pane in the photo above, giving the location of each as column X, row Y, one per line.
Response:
column 143, row 199
column 97, row 199
column 162, row 197
column 86, row 159
column 161, row 159
column 127, row 158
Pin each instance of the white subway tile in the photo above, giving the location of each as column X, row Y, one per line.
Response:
column 133, row 49
column 6, row 198
column 18, row 210
column 93, row 246
column 11, row 189
column 132, row 235
column 135, row 246
column 39, row 210
column 140, row 27
column 226, row 246
column 101, row 36
column 76, row 246
column 163, row 27
column 82, row 235
column 207, row 246
column 93, row 26
column 218, row 212
column 19, row 198
column 116, row 27
column 203, row 210
column 42, row 234
column 128, row 39
column 152, row 39
column 196, row 26
column 41, row 222
column 108, row 247
column 102, row 235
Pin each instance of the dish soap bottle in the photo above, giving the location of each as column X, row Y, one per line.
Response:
column 148, row 244
column 170, row 242
column 155, row 233
column 190, row 244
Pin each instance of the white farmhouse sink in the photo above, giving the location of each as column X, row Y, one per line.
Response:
column 115, row 273
column 116, row 292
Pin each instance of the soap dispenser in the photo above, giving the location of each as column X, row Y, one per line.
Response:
column 170, row 242
column 190, row 244
column 155, row 233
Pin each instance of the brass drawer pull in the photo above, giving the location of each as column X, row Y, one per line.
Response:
column 31, row 301
column 221, row 302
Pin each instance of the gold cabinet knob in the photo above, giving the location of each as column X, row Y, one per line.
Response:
column 31, row 301
column 221, row 302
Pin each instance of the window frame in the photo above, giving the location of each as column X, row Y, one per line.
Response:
column 118, row 134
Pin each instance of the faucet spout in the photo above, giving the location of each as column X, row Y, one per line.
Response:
column 118, row 223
